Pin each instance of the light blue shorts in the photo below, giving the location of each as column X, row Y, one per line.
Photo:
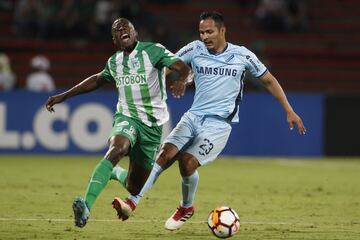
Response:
column 204, row 137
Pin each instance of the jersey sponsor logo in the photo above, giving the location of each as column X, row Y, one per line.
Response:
column 253, row 63
column 131, row 79
column 216, row 71
column 186, row 51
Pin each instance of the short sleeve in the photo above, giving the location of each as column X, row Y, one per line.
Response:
column 106, row 72
column 253, row 64
column 186, row 53
column 162, row 57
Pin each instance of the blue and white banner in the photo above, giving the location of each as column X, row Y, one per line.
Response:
column 82, row 124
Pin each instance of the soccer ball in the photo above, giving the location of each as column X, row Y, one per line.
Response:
column 223, row 222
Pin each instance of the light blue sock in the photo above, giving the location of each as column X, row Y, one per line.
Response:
column 188, row 187
column 155, row 173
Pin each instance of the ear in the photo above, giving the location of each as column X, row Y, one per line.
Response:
column 223, row 30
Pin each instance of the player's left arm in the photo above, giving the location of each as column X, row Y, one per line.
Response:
column 186, row 76
column 273, row 86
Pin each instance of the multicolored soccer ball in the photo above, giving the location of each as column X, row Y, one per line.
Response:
column 223, row 222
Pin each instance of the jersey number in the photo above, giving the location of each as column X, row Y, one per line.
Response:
column 206, row 147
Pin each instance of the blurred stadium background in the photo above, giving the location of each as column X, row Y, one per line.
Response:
column 312, row 47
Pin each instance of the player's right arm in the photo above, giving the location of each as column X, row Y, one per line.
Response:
column 89, row 84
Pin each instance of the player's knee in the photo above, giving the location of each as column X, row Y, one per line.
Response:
column 188, row 166
column 115, row 153
column 163, row 159
column 167, row 156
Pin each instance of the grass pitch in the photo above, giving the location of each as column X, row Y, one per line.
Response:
column 275, row 198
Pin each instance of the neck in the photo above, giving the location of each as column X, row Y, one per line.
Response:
column 219, row 49
column 129, row 49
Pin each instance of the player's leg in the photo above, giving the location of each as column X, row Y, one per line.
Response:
column 188, row 165
column 129, row 128
column 212, row 136
column 181, row 135
column 142, row 157
column 167, row 156
column 119, row 145
column 136, row 179
column 118, row 148
column 125, row 207
column 119, row 174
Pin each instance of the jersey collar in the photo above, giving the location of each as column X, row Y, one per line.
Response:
column 218, row 53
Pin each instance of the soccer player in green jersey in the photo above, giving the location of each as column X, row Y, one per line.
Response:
column 138, row 70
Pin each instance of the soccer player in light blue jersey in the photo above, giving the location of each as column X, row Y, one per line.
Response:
column 219, row 68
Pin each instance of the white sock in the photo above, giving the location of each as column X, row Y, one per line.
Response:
column 115, row 174
column 155, row 173
column 188, row 187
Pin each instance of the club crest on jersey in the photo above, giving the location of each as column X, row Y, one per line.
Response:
column 135, row 63
column 230, row 58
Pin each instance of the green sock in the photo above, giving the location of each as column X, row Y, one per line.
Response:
column 120, row 174
column 98, row 181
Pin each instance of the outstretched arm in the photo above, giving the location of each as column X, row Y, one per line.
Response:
column 186, row 76
column 273, row 86
column 89, row 84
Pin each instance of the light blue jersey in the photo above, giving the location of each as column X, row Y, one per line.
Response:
column 219, row 78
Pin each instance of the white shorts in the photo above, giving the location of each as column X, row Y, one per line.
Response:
column 204, row 137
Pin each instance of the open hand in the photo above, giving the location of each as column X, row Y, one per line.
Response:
column 178, row 89
column 292, row 119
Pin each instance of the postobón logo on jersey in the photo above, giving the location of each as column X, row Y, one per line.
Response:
column 74, row 133
column 131, row 79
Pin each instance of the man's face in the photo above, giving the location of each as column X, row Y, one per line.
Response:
column 212, row 35
column 123, row 33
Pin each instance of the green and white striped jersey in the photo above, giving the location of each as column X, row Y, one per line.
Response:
column 140, row 79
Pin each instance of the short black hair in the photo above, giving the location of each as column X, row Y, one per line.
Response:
column 216, row 16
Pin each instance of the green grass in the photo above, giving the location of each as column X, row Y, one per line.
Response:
column 275, row 198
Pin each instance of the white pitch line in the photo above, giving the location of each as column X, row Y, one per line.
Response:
column 138, row 221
